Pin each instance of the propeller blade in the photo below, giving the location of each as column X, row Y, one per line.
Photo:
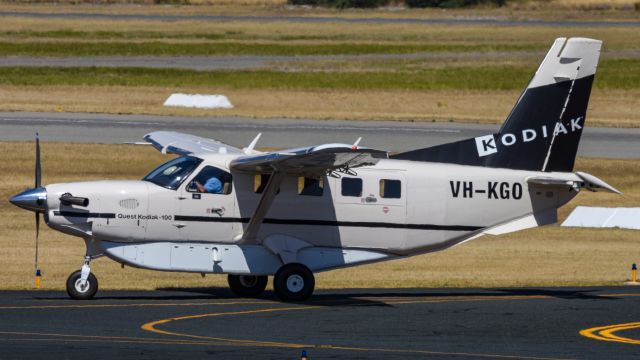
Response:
column 37, row 235
column 37, row 243
column 38, row 171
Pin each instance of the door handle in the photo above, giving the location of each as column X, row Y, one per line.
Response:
column 219, row 211
column 181, row 197
column 370, row 199
column 179, row 225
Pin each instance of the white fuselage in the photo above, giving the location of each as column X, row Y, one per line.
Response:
column 425, row 207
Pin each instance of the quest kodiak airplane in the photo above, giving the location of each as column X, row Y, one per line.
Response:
column 294, row 212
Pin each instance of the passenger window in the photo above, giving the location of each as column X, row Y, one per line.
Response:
column 310, row 186
column 211, row 180
column 390, row 189
column 260, row 182
column 351, row 187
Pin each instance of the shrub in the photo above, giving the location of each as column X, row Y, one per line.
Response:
column 341, row 4
column 451, row 3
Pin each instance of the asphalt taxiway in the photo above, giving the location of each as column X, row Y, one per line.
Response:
column 283, row 133
column 531, row 323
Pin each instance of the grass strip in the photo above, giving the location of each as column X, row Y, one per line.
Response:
column 156, row 48
column 68, row 34
column 612, row 74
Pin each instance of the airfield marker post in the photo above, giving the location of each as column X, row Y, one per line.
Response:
column 38, row 278
column 634, row 273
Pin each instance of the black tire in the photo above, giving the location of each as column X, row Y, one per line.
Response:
column 294, row 282
column 78, row 294
column 247, row 285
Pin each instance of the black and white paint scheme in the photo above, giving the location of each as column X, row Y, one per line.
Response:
column 289, row 214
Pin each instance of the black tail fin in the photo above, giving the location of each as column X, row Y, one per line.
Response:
column 543, row 130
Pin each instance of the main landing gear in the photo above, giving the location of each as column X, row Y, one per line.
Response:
column 247, row 285
column 292, row 282
column 82, row 284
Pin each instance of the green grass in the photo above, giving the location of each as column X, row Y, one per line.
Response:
column 112, row 35
column 146, row 35
column 157, row 48
column 613, row 74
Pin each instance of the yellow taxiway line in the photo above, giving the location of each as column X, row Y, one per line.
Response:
column 607, row 333
column 152, row 327
column 602, row 333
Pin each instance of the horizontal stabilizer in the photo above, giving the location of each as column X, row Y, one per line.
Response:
column 576, row 180
column 593, row 183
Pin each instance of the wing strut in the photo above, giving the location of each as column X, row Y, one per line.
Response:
column 268, row 195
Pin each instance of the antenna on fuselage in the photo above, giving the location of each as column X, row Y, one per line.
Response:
column 249, row 149
column 355, row 144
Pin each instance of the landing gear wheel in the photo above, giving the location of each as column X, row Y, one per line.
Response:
column 294, row 282
column 247, row 285
column 78, row 292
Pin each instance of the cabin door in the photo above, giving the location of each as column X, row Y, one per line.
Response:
column 207, row 207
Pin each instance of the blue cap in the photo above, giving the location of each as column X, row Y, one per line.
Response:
column 633, row 267
column 304, row 353
column 38, row 272
column 213, row 186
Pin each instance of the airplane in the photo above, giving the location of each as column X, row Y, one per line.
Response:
column 295, row 212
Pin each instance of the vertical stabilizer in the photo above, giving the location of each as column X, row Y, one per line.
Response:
column 543, row 130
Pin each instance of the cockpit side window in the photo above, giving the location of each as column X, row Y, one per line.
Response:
column 211, row 180
column 172, row 173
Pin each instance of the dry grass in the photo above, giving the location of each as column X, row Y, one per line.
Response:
column 613, row 108
column 588, row 5
column 546, row 256
column 292, row 32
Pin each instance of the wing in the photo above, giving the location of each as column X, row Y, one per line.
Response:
column 312, row 160
column 309, row 161
column 184, row 144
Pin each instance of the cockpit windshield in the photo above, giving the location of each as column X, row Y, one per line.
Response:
column 172, row 173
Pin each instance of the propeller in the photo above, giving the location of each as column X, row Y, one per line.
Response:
column 34, row 200
column 38, row 177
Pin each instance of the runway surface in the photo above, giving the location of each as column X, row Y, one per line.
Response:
column 279, row 133
column 554, row 323
column 326, row 19
column 244, row 62
column 247, row 62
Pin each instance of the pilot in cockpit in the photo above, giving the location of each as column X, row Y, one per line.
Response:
column 211, row 186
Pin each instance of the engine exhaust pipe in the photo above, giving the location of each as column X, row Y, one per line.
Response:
column 68, row 199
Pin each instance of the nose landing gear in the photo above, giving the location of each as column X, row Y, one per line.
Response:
column 82, row 284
